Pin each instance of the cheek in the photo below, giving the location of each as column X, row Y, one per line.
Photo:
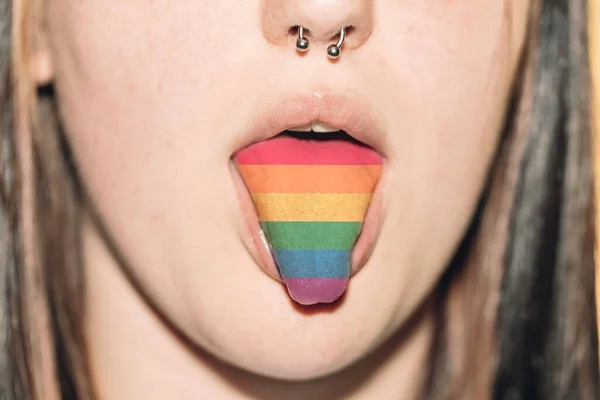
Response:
column 447, row 95
column 140, row 102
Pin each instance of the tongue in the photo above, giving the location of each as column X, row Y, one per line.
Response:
column 311, row 197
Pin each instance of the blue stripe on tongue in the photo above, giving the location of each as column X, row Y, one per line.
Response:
column 313, row 263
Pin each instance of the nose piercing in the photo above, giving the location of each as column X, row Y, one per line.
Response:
column 335, row 50
column 302, row 42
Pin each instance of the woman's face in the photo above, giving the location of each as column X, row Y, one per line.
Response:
column 157, row 96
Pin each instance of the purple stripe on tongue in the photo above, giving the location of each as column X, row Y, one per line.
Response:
column 309, row 291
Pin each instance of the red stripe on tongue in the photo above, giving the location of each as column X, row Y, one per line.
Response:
column 288, row 150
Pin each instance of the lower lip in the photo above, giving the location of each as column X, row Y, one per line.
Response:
column 257, row 244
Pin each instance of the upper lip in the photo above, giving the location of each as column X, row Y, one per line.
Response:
column 341, row 111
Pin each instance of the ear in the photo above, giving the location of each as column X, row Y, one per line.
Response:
column 41, row 66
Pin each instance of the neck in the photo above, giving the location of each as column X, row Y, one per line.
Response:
column 134, row 354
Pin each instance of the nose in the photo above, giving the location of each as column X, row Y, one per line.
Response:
column 322, row 20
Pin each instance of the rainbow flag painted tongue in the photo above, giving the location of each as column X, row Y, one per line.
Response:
column 311, row 197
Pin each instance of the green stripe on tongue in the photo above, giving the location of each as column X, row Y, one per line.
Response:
column 311, row 197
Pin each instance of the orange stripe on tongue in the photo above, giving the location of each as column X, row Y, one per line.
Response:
column 310, row 178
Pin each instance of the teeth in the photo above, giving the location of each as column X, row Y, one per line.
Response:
column 318, row 126
column 303, row 128
column 315, row 126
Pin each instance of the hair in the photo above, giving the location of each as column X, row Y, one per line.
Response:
column 516, row 309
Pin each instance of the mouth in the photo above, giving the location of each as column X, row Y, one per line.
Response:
column 309, row 194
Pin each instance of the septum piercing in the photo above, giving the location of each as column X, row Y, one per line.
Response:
column 333, row 51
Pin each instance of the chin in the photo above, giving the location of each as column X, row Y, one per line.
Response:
column 301, row 357
column 269, row 334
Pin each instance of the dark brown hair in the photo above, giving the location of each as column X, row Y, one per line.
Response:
column 516, row 309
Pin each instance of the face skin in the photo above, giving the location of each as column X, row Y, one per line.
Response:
column 155, row 98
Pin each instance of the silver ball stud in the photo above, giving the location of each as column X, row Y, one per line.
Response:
column 333, row 52
column 302, row 44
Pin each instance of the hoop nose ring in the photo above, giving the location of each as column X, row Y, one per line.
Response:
column 333, row 51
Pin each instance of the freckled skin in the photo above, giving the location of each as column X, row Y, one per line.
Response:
column 155, row 95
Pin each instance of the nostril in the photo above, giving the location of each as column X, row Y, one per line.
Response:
column 293, row 31
column 282, row 19
column 348, row 29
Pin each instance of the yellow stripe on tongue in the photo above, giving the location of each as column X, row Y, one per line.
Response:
column 311, row 197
